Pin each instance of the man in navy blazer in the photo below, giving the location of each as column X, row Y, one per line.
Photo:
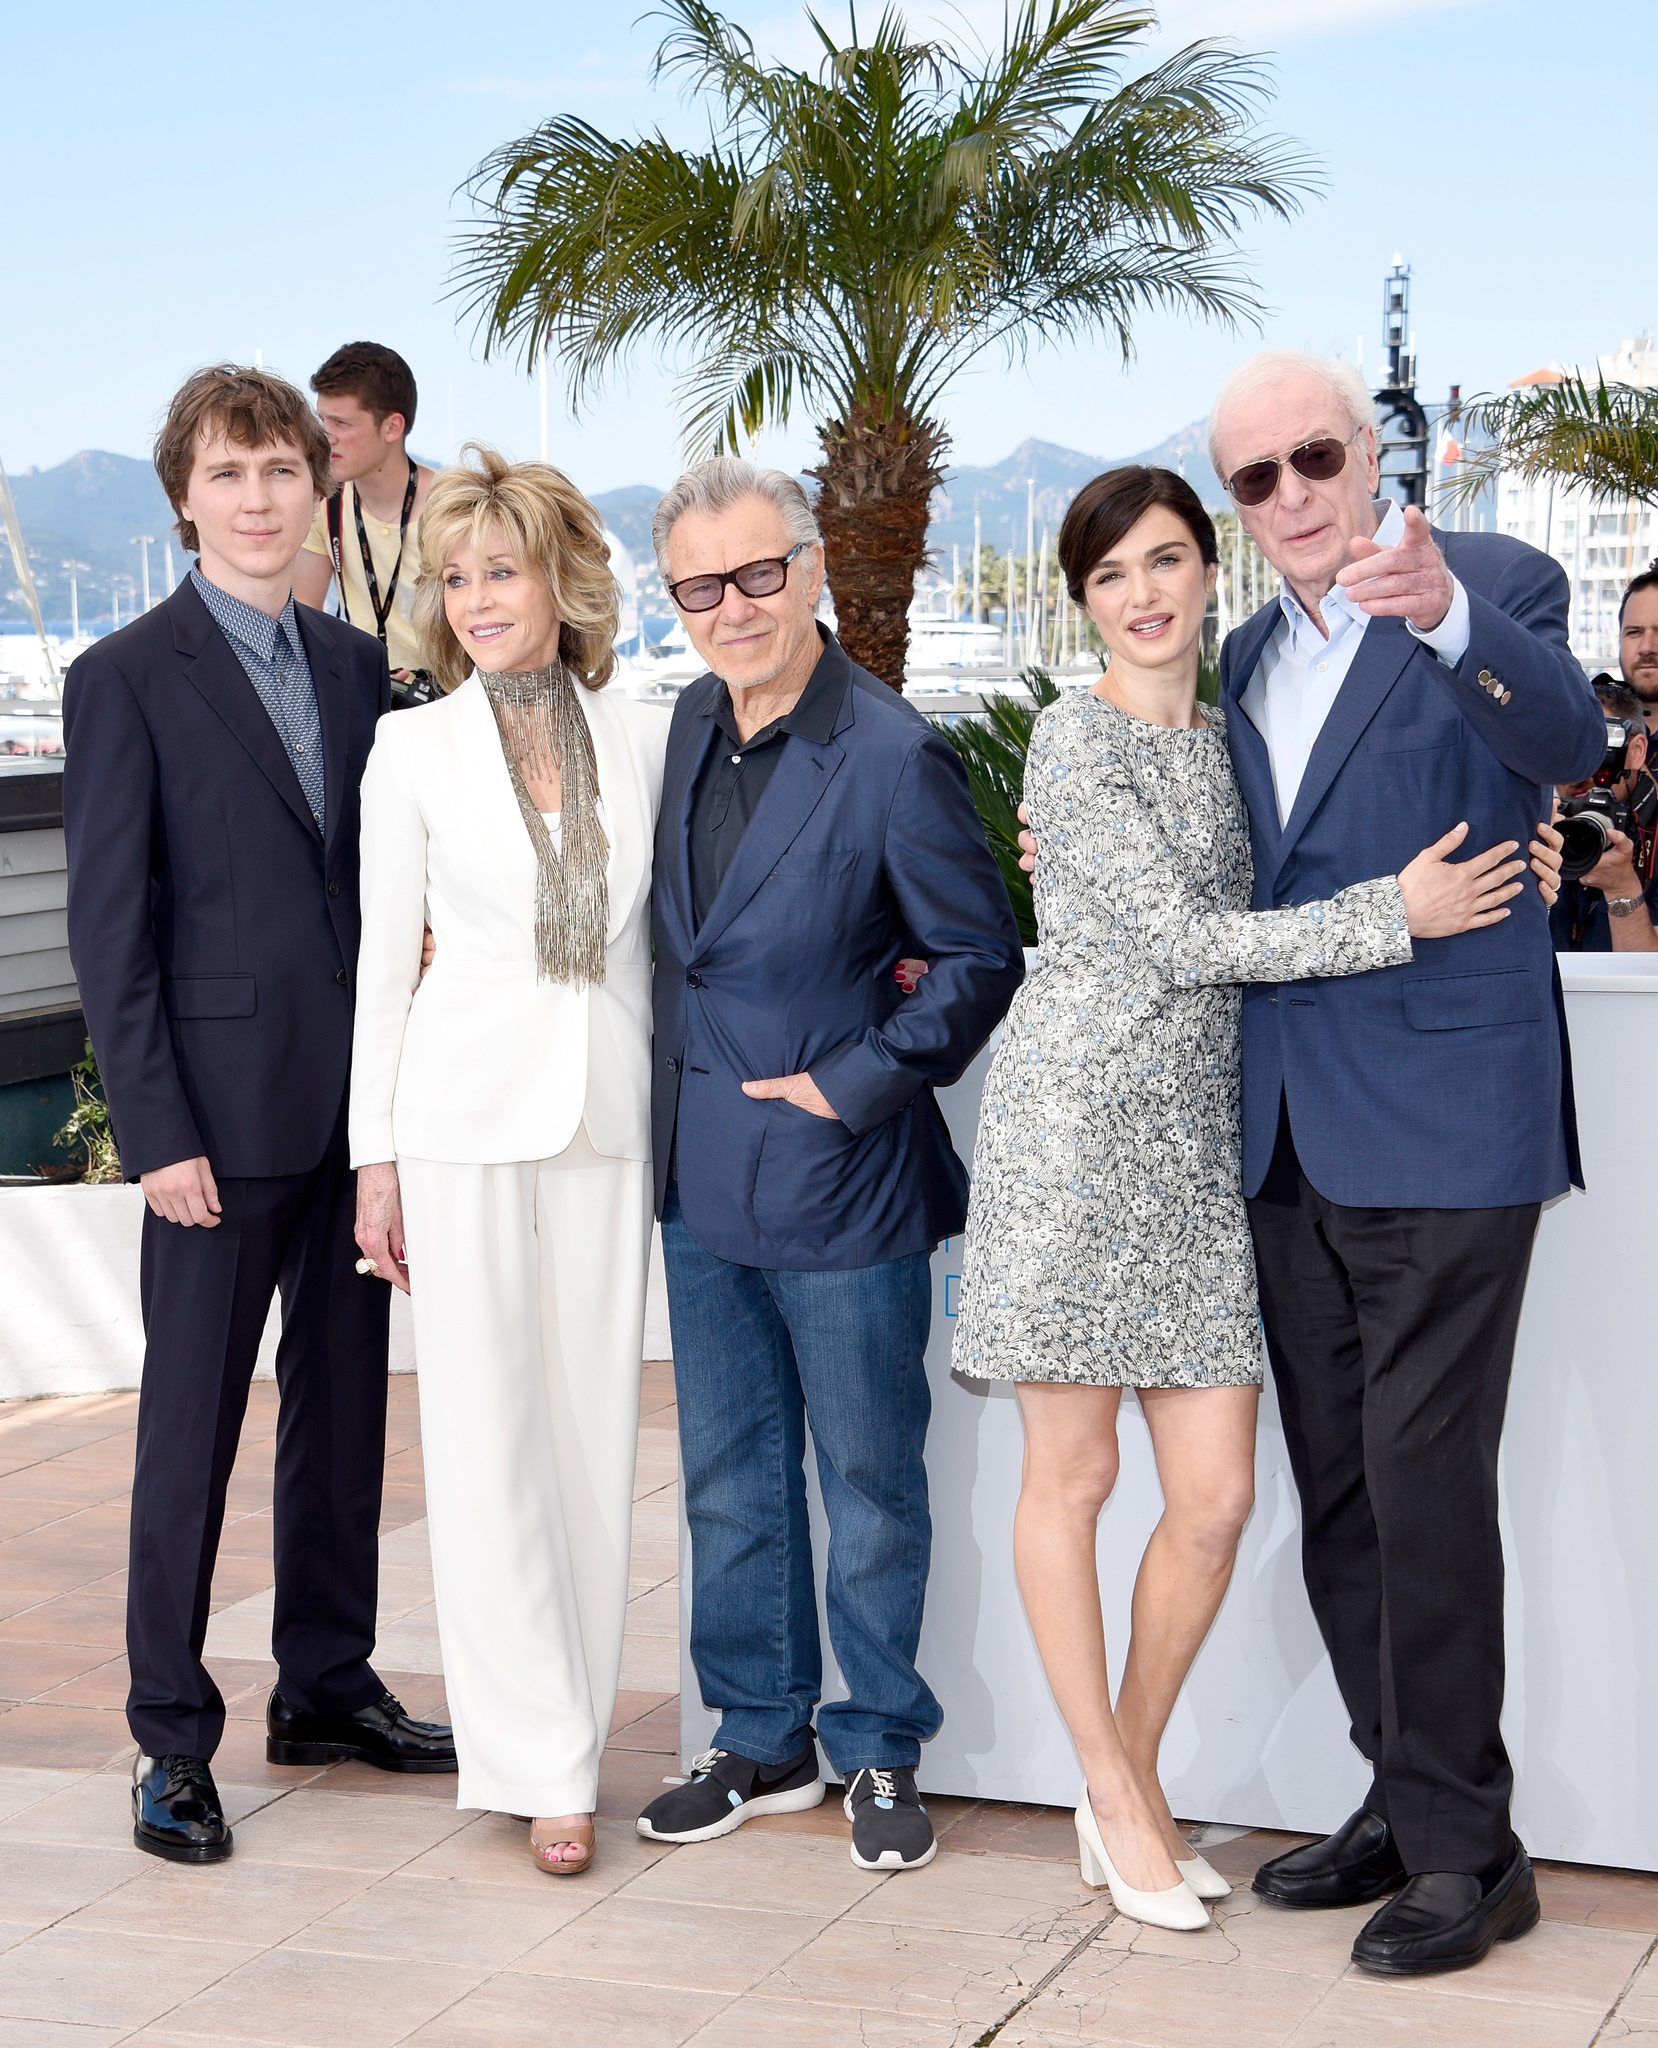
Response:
column 1402, row 1128
column 213, row 750
column 814, row 829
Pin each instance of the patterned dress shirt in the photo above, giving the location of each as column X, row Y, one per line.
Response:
column 273, row 654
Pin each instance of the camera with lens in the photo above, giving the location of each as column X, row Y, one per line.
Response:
column 1586, row 823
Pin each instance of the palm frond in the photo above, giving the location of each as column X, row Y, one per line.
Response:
column 1602, row 435
column 993, row 751
column 879, row 223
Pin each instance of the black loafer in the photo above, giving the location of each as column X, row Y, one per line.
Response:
column 176, row 1810
column 382, row 1735
column 1359, row 1862
column 1443, row 1920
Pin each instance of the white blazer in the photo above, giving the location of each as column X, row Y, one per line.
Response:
column 481, row 1062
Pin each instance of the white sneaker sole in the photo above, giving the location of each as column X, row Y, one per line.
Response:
column 889, row 1859
column 800, row 1800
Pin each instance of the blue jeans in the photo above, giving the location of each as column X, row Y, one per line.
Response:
column 755, row 1353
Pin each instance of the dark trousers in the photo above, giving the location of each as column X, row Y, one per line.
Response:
column 755, row 1353
column 206, row 1294
column 1391, row 1336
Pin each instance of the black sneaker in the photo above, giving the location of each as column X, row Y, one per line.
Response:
column 890, row 1828
column 724, row 1790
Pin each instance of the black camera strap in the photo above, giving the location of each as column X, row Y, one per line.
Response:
column 382, row 612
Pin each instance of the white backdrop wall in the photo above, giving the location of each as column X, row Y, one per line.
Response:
column 1260, row 1736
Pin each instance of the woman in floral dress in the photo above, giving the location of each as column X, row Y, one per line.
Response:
column 1107, row 1244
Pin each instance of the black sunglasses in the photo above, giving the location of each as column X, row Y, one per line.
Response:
column 1317, row 461
column 764, row 578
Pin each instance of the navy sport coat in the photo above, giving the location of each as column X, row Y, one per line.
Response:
column 1445, row 1084
column 862, row 849
column 212, row 927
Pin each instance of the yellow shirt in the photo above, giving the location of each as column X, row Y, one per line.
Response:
column 402, row 648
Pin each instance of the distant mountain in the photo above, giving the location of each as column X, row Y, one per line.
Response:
column 89, row 508
column 1058, row 474
column 627, row 513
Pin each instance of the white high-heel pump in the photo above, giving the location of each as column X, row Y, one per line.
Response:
column 1203, row 1877
column 1179, row 1907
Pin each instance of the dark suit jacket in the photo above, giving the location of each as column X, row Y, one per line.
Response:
column 213, row 929
column 1445, row 1084
column 862, row 848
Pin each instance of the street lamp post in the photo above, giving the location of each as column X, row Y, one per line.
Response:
column 74, row 599
column 144, row 542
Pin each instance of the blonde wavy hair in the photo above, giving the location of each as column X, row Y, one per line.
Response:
column 548, row 526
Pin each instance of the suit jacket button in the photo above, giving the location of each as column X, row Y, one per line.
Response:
column 342, row 978
column 333, row 888
column 693, row 979
column 673, row 1066
column 1485, row 675
column 1503, row 699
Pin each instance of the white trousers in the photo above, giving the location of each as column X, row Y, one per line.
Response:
column 528, row 1289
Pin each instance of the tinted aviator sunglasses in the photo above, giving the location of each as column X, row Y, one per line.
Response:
column 1317, row 461
column 764, row 578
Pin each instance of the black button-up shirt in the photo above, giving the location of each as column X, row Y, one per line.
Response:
column 736, row 772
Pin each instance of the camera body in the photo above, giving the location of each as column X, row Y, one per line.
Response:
column 1587, row 822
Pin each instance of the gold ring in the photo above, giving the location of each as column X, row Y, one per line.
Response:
column 367, row 1266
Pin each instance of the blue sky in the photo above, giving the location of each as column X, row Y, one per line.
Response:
column 219, row 180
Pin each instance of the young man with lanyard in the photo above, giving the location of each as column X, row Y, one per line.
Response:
column 366, row 538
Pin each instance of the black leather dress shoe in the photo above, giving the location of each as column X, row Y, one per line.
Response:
column 1443, row 1920
column 176, row 1811
column 1360, row 1861
column 382, row 1735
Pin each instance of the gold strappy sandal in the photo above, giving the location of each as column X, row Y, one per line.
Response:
column 578, row 1834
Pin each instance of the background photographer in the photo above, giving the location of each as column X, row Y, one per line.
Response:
column 366, row 538
column 1611, row 908
column 1638, row 641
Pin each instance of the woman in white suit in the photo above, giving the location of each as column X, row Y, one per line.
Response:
column 500, row 1119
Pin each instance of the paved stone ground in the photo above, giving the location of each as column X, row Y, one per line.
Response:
column 364, row 1908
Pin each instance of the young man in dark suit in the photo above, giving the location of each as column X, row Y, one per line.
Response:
column 213, row 753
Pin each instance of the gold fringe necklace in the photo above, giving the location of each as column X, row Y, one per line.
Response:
column 543, row 730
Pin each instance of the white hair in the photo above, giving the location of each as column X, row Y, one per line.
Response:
column 720, row 483
column 1344, row 382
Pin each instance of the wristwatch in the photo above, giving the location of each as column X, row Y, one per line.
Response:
column 1623, row 906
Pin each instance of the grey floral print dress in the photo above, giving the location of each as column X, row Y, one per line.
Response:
column 1106, row 1240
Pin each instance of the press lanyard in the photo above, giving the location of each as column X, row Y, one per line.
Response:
column 382, row 612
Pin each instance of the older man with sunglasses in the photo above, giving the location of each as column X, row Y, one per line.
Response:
column 1402, row 1128
column 814, row 830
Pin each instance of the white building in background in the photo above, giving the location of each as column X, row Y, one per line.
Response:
column 1600, row 542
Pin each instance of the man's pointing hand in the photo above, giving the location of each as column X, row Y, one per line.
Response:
column 1406, row 581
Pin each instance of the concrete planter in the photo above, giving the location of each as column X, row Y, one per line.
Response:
column 69, row 1284
column 69, row 1281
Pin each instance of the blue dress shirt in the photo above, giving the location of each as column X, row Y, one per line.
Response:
column 273, row 656
column 1301, row 670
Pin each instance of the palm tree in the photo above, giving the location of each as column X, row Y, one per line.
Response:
column 1602, row 435
column 850, row 240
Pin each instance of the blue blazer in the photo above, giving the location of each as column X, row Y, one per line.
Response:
column 212, row 928
column 1445, row 1084
column 862, row 849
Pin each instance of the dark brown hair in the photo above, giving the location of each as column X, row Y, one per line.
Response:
column 1108, row 505
column 1647, row 580
column 376, row 376
column 252, row 409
